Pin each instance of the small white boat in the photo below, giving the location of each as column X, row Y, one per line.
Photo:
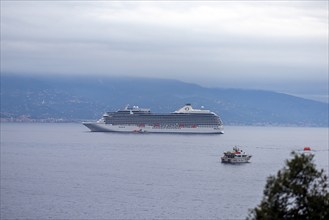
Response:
column 235, row 156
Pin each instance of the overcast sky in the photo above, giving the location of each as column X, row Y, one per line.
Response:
column 276, row 45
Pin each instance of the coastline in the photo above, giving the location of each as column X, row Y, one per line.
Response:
column 61, row 120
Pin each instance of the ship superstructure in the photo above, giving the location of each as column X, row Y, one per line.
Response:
column 135, row 119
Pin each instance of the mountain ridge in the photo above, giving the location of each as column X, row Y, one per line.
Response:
column 76, row 98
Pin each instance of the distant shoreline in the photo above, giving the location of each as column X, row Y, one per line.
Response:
column 60, row 120
column 31, row 120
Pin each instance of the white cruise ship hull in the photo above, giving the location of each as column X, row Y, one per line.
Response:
column 103, row 127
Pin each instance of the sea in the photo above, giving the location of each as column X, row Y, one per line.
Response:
column 64, row 171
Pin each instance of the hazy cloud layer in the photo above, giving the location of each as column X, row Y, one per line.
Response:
column 280, row 46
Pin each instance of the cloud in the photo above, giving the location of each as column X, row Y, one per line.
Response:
column 214, row 43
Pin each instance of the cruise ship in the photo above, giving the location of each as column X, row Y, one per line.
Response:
column 134, row 119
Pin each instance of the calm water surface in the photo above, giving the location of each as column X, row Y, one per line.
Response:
column 63, row 171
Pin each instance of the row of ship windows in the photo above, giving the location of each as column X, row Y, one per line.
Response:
column 159, row 115
column 172, row 126
column 164, row 123
column 163, row 120
column 165, row 116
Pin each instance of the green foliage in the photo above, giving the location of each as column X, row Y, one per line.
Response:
column 298, row 191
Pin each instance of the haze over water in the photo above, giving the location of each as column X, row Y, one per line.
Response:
column 63, row 171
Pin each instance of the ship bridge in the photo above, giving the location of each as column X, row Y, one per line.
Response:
column 189, row 109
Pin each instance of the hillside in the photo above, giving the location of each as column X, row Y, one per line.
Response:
column 79, row 98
